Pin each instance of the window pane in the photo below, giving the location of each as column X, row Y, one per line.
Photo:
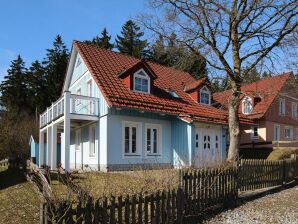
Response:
column 126, row 140
column 134, row 140
column 148, row 140
column 154, row 140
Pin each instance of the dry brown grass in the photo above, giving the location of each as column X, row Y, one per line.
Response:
column 282, row 153
column 100, row 184
column 19, row 202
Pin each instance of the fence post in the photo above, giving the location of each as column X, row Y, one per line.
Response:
column 180, row 206
column 283, row 172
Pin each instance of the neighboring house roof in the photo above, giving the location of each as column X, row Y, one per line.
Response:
column 267, row 89
column 106, row 66
column 194, row 84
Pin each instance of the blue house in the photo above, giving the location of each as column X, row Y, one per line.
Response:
column 119, row 112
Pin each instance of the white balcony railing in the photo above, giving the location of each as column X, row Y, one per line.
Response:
column 79, row 105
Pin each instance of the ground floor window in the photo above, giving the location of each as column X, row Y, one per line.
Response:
column 92, row 136
column 78, row 140
column 288, row 133
column 153, row 139
column 276, row 132
column 131, row 136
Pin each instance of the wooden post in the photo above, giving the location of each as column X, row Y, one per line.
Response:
column 66, row 130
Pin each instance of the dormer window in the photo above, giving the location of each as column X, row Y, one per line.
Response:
column 141, row 82
column 246, row 105
column 79, row 62
column 205, row 96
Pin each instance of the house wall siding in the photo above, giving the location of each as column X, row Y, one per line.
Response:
column 115, row 154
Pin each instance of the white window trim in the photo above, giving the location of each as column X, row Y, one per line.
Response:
column 159, row 140
column 252, row 132
column 77, row 140
column 283, row 108
column 295, row 110
column 244, row 100
column 205, row 89
column 138, row 153
column 142, row 77
column 291, row 132
column 90, row 139
column 276, row 125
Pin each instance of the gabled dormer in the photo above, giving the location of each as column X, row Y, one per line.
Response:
column 139, row 78
column 247, row 105
column 199, row 90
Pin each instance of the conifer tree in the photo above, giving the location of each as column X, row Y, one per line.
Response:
column 55, row 65
column 130, row 42
column 13, row 88
column 103, row 41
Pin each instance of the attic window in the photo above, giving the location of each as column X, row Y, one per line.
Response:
column 172, row 93
column 205, row 96
column 141, row 82
column 246, row 105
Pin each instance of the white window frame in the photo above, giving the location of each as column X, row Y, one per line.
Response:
column 294, row 110
column 275, row 134
column 138, row 152
column 158, row 127
column 205, row 90
column 79, row 62
column 136, row 75
column 282, row 107
column 246, row 100
column 78, row 140
column 252, row 135
column 91, row 143
column 291, row 132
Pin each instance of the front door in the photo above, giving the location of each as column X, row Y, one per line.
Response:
column 207, row 146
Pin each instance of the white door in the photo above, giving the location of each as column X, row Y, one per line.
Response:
column 207, row 146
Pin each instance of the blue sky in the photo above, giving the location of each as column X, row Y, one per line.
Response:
column 29, row 27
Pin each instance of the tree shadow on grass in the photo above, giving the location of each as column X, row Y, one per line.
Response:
column 11, row 177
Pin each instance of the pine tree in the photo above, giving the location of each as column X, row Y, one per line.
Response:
column 103, row 40
column 130, row 42
column 55, row 65
column 13, row 89
column 171, row 53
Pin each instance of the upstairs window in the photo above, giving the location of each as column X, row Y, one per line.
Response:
column 141, row 82
column 282, row 107
column 246, row 105
column 205, row 96
column 79, row 62
column 294, row 110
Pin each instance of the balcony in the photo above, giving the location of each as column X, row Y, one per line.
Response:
column 77, row 105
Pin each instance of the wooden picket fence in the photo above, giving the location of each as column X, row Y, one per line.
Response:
column 199, row 191
column 258, row 174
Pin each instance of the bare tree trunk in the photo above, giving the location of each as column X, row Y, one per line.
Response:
column 234, row 125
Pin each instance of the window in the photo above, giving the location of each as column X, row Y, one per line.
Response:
column 207, row 142
column 254, row 132
column 282, row 107
column 78, row 101
column 131, row 138
column 78, row 140
column 79, row 62
column 141, row 82
column 276, row 132
column 288, row 133
column 153, row 139
column 92, row 137
column 296, row 134
column 172, row 93
column 89, row 93
column 246, row 105
column 294, row 110
column 205, row 96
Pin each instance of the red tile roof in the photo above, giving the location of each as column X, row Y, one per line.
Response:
column 105, row 66
column 194, row 85
column 267, row 89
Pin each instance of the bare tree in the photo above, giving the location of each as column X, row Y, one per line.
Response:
column 231, row 34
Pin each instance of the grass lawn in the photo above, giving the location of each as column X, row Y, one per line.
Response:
column 100, row 184
column 19, row 203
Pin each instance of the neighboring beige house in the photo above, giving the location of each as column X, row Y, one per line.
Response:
column 272, row 105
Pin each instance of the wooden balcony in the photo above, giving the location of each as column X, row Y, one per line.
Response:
column 79, row 107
